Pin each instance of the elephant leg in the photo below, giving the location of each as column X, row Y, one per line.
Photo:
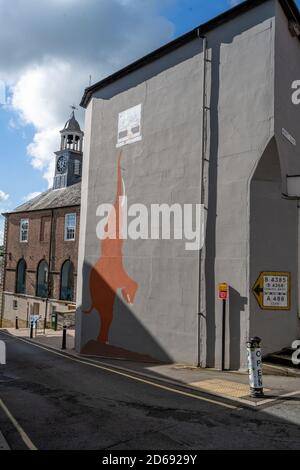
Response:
column 106, row 315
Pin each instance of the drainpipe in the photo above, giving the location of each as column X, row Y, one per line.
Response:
column 202, row 190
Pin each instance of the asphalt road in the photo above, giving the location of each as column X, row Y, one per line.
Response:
column 59, row 403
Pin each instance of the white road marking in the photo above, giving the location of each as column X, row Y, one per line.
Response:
column 18, row 427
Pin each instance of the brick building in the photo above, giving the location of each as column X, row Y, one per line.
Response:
column 41, row 241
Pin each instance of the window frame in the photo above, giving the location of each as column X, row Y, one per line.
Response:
column 71, row 283
column 60, row 181
column 77, row 167
column 21, row 231
column 45, row 284
column 67, row 227
column 21, row 291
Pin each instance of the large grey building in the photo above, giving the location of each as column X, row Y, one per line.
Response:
column 211, row 118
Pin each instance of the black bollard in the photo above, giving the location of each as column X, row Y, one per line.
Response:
column 17, row 323
column 64, row 338
column 31, row 329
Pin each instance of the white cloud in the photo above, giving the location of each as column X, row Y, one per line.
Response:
column 49, row 49
column 31, row 196
column 3, row 196
column 2, row 93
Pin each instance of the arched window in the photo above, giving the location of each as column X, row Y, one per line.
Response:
column 42, row 279
column 21, row 277
column 67, row 281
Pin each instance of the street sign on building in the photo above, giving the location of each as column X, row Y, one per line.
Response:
column 34, row 320
column 272, row 290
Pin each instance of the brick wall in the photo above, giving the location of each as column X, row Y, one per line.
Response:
column 38, row 247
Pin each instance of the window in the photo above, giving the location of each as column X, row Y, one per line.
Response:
column 35, row 308
column 67, row 281
column 21, row 277
column 42, row 279
column 60, row 181
column 77, row 167
column 24, row 229
column 70, row 226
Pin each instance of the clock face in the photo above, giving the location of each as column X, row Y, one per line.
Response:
column 61, row 164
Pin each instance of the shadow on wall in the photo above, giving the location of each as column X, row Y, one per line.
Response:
column 127, row 337
column 237, row 305
column 112, row 293
column 217, row 45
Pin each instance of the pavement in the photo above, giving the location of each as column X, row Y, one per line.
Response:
column 54, row 399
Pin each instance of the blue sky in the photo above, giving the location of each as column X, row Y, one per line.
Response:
column 38, row 105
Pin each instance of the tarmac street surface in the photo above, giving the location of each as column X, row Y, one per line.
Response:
column 49, row 400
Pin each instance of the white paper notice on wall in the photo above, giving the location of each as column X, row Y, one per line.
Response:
column 129, row 126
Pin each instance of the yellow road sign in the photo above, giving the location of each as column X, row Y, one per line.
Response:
column 272, row 290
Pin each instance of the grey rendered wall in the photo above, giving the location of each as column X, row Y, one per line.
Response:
column 287, row 67
column 274, row 240
column 165, row 167
column 241, row 124
column 274, row 219
column 83, row 223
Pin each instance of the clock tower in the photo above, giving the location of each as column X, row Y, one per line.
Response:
column 68, row 165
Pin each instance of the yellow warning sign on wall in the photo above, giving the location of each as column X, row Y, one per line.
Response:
column 272, row 290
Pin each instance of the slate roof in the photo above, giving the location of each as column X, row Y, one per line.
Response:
column 52, row 199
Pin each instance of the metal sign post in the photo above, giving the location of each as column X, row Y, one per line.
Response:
column 255, row 367
column 223, row 295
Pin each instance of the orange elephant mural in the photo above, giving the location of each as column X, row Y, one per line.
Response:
column 108, row 275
